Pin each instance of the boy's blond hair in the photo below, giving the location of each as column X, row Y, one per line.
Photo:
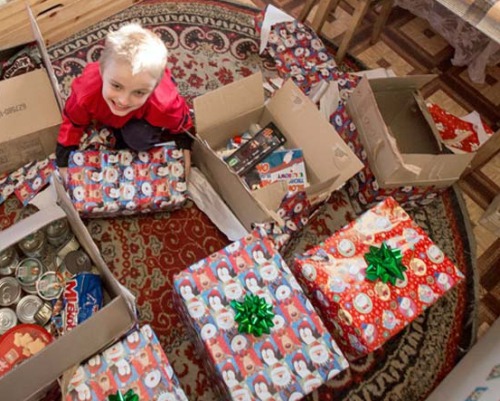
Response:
column 139, row 47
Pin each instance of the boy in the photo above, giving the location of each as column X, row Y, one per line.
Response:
column 131, row 92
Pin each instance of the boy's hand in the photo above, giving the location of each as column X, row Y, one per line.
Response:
column 63, row 171
column 187, row 162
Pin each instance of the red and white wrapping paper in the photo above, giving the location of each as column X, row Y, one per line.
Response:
column 362, row 314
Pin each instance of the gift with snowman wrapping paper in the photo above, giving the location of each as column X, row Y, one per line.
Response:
column 373, row 277
column 261, row 336
column 137, row 365
column 123, row 182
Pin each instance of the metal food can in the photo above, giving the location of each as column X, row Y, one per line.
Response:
column 77, row 262
column 27, row 307
column 10, row 291
column 43, row 315
column 58, row 232
column 34, row 245
column 28, row 272
column 8, row 319
column 8, row 261
column 50, row 285
column 71, row 245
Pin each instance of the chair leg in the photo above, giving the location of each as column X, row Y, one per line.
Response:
column 381, row 20
column 325, row 7
column 306, row 10
column 359, row 13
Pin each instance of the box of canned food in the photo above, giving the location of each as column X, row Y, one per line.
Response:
column 59, row 303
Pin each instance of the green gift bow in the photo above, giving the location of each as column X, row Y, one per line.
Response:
column 128, row 396
column 384, row 263
column 254, row 315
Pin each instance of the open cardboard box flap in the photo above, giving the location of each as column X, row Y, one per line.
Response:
column 114, row 320
column 230, row 110
column 401, row 145
column 228, row 102
column 30, row 111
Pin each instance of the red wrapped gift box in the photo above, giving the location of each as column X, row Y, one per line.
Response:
column 363, row 314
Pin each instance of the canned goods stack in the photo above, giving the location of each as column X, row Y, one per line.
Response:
column 34, row 292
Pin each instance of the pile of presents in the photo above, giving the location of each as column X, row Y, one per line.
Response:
column 270, row 331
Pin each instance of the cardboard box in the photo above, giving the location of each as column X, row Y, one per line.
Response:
column 491, row 217
column 116, row 318
column 230, row 110
column 30, row 111
column 399, row 136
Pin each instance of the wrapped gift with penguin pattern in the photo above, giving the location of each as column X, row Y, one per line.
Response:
column 373, row 277
column 136, row 365
column 261, row 336
column 106, row 183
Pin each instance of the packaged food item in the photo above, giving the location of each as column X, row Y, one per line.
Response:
column 8, row 319
column 82, row 298
column 58, row 232
column 20, row 343
column 71, row 245
column 50, row 286
column 10, row 291
column 77, row 262
column 28, row 272
column 43, row 314
column 27, row 307
column 256, row 149
column 8, row 261
column 34, row 245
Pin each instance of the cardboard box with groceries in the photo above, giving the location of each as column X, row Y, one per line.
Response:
column 399, row 135
column 30, row 109
column 230, row 110
column 29, row 379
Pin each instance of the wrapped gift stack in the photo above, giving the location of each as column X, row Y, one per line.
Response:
column 261, row 335
column 134, row 369
column 109, row 183
column 374, row 277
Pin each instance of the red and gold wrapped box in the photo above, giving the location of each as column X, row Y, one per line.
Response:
column 363, row 314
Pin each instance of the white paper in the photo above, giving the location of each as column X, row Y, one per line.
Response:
column 210, row 203
column 375, row 73
column 330, row 100
column 475, row 119
column 273, row 16
column 475, row 373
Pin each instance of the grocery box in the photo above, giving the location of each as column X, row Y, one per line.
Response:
column 29, row 379
column 399, row 136
column 30, row 108
column 230, row 110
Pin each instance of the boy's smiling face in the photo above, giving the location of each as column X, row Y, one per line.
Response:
column 123, row 91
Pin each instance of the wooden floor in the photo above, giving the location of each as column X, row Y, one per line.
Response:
column 408, row 45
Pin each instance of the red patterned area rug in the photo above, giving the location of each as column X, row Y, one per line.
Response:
column 211, row 44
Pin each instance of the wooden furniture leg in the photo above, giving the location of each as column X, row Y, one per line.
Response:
column 358, row 16
column 306, row 10
column 324, row 9
column 385, row 10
